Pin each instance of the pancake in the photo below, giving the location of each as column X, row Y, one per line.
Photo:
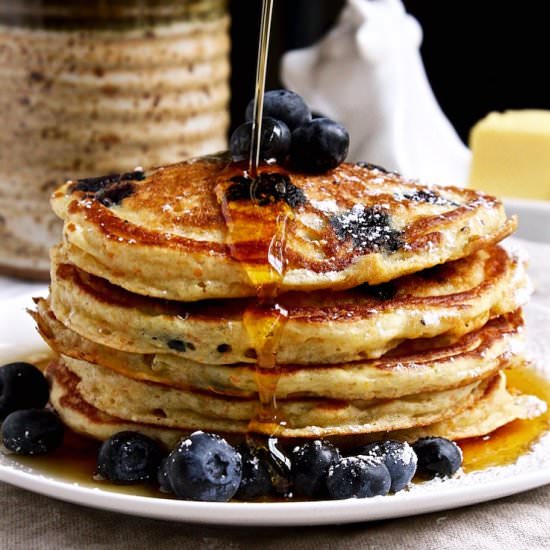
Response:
column 150, row 403
column 322, row 326
column 406, row 370
column 163, row 234
column 495, row 408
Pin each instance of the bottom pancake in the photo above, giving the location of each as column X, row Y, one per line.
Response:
column 94, row 412
column 496, row 407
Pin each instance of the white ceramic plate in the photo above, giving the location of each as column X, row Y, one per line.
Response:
column 18, row 337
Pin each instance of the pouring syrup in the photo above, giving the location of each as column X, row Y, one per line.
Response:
column 256, row 236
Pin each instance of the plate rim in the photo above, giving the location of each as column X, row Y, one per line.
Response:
column 273, row 514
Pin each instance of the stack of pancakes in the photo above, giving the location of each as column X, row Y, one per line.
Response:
column 401, row 313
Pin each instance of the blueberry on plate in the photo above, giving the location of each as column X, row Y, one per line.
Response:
column 310, row 465
column 256, row 478
column 399, row 458
column 319, row 145
column 32, row 432
column 204, row 467
column 22, row 386
column 437, row 456
column 282, row 105
column 128, row 457
column 274, row 142
column 358, row 477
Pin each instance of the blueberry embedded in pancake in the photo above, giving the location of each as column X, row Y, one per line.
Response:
column 265, row 189
column 109, row 190
column 369, row 229
column 350, row 225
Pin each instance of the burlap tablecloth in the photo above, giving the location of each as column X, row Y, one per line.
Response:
column 30, row 522
column 520, row 522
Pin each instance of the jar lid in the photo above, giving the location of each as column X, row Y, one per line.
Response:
column 102, row 14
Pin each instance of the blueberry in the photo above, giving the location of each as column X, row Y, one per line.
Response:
column 162, row 476
column 128, row 457
column 22, row 386
column 283, row 105
column 32, row 432
column 275, row 140
column 319, row 145
column 437, row 456
column 204, row 467
column 358, row 477
column 310, row 464
column 256, row 476
column 399, row 458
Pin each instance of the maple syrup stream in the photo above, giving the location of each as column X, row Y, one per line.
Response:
column 256, row 235
column 261, row 67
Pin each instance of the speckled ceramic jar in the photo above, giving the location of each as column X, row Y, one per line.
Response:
column 92, row 87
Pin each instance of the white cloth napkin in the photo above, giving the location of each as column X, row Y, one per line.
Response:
column 367, row 74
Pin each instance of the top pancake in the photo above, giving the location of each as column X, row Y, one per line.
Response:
column 163, row 234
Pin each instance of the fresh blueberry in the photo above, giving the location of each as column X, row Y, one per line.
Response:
column 162, row 476
column 283, row 105
column 399, row 458
column 22, row 386
column 256, row 476
column 275, row 140
column 128, row 457
column 310, row 464
column 358, row 477
column 32, row 432
column 437, row 456
column 319, row 145
column 204, row 467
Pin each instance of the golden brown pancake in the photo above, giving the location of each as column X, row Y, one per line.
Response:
column 163, row 233
column 413, row 367
column 154, row 404
column 322, row 326
column 494, row 408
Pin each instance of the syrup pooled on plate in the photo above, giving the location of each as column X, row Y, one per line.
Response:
column 505, row 445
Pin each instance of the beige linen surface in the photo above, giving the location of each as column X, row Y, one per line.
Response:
column 34, row 522
column 521, row 522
